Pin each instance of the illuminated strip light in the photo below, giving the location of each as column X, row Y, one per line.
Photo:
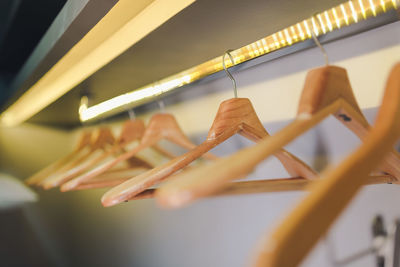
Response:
column 124, row 99
column 270, row 43
column 328, row 21
column 321, row 22
column 291, row 35
column 353, row 12
column 308, row 29
column 337, row 20
column 314, row 26
column 293, row 31
column 302, row 36
column 383, row 5
column 372, row 6
column 346, row 18
column 360, row 2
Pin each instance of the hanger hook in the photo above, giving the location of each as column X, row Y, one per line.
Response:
column 317, row 41
column 161, row 105
column 160, row 101
column 227, row 71
column 132, row 115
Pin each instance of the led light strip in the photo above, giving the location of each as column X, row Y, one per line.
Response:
column 343, row 15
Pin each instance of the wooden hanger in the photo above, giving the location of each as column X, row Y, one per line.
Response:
column 104, row 146
column 327, row 91
column 132, row 130
column 313, row 216
column 100, row 138
column 110, row 178
column 257, row 186
column 235, row 115
column 161, row 126
column 83, row 144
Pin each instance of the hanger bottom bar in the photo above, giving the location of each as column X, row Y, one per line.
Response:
column 271, row 185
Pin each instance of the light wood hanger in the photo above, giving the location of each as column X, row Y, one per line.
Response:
column 105, row 146
column 259, row 186
column 132, row 130
column 110, row 178
column 161, row 126
column 313, row 216
column 100, row 139
column 234, row 116
column 83, row 144
column 327, row 91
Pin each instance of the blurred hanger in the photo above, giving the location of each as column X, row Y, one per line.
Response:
column 327, row 91
column 104, row 147
column 262, row 186
column 161, row 126
column 234, row 116
column 82, row 146
column 313, row 216
column 101, row 139
column 133, row 129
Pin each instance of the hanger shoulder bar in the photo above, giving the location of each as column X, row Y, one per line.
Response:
column 313, row 216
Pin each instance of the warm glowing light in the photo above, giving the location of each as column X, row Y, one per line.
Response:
column 330, row 27
column 260, row 46
column 293, row 32
column 321, row 22
column 307, row 29
column 346, row 18
column 300, row 31
column 83, row 105
column 315, row 28
column 288, row 39
column 251, row 53
column 264, row 42
column 362, row 9
column 394, row 2
column 383, row 4
column 371, row 4
column 336, row 18
column 353, row 12
column 276, row 40
column 255, row 49
column 125, row 99
column 281, row 38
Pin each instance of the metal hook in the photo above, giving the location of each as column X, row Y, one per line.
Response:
column 132, row 115
column 161, row 105
column 227, row 72
column 317, row 41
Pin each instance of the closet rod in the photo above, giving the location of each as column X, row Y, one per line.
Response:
column 351, row 17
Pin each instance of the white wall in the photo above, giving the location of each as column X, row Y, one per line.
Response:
column 28, row 148
column 223, row 231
